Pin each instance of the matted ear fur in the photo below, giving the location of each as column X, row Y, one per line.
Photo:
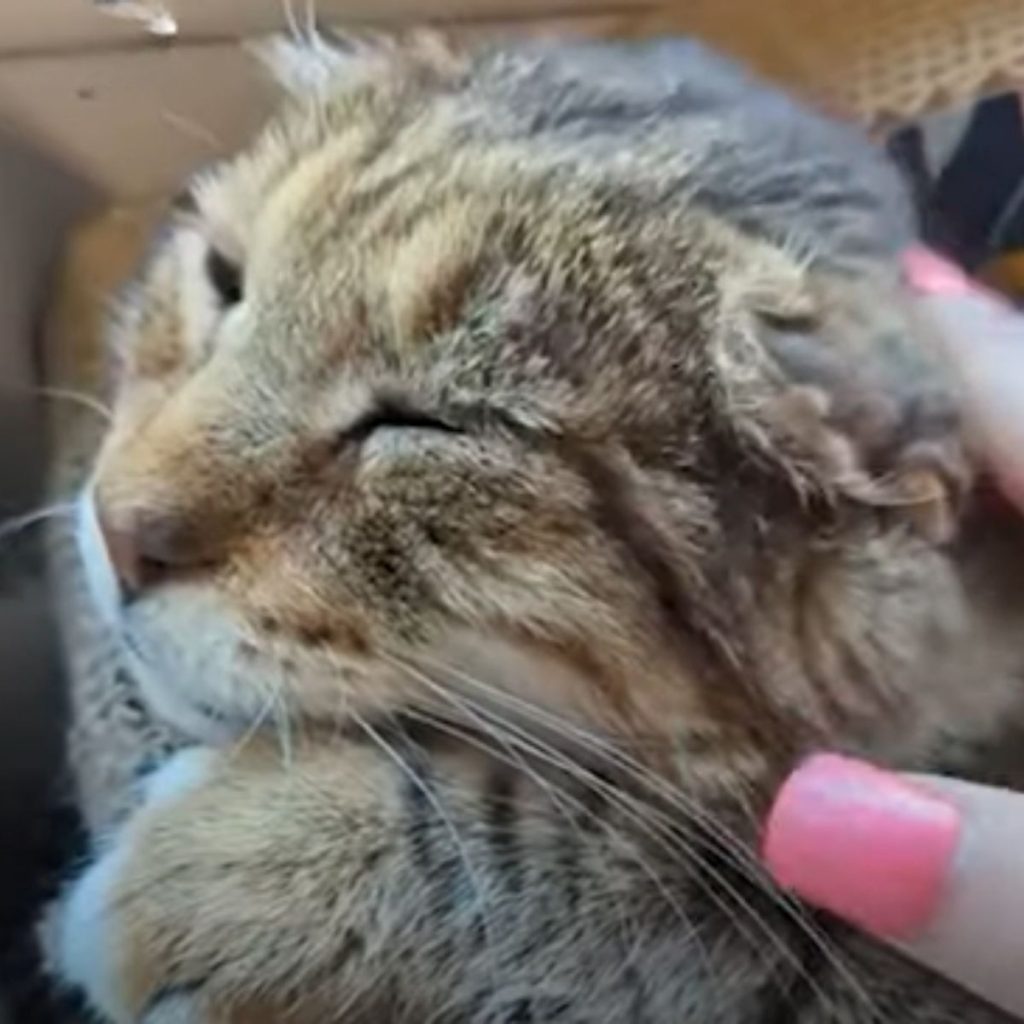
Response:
column 835, row 381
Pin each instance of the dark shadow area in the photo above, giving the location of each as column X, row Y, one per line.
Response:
column 37, row 834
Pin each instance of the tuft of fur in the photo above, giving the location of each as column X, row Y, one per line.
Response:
column 528, row 454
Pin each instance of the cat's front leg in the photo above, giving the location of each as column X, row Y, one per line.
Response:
column 86, row 933
column 354, row 883
column 246, row 891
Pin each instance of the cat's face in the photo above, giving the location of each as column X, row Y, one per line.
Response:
column 454, row 389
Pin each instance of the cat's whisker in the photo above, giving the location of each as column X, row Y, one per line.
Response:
column 608, row 752
column 256, row 726
column 79, row 398
column 668, row 842
column 283, row 723
column 603, row 749
column 732, row 848
column 556, row 795
column 726, row 842
column 12, row 527
column 193, row 130
column 291, row 20
column 559, row 796
column 423, row 788
column 669, row 839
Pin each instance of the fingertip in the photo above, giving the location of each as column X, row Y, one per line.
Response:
column 928, row 273
column 867, row 845
column 931, row 275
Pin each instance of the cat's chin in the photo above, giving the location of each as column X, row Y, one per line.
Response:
column 201, row 723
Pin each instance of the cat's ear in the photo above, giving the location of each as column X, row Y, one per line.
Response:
column 835, row 381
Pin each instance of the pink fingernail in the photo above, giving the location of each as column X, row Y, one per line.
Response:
column 930, row 274
column 863, row 843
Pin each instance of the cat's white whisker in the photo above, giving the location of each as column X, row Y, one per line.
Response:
column 459, row 845
column 607, row 751
column 80, row 398
column 557, row 795
column 550, row 755
column 12, row 527
column 291, row 21
column 192, row 129
column 257, row 724
column 283, row 723
column 669, row 832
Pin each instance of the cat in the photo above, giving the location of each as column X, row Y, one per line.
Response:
column 519, row 459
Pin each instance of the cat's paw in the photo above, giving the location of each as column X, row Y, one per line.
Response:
column 86, row 949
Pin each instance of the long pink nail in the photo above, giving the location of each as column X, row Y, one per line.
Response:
column 930, row 274
column 863, row 843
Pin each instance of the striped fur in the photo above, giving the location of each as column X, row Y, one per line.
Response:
column 534, row 455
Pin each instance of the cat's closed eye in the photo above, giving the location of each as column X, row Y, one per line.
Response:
column 225, row 276
column 395, row 416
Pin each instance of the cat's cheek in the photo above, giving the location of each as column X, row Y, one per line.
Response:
column 86, row 948
column 200, row 725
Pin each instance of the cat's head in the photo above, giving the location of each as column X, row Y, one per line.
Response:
column 559, row 381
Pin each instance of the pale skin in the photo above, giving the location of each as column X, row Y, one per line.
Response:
column 974, row 933
column 977, row 935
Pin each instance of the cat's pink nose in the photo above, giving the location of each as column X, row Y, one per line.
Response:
column 146, row 549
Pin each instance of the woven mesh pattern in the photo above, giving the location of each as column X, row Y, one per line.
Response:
column 882, row 61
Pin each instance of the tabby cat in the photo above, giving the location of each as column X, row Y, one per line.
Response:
column 519, row 459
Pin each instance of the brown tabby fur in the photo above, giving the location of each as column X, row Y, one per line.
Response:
column 659, row 497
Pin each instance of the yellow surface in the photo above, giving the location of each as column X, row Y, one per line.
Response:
column 881, row 60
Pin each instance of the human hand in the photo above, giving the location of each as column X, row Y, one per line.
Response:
column 933, row 865
column 983, row 339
